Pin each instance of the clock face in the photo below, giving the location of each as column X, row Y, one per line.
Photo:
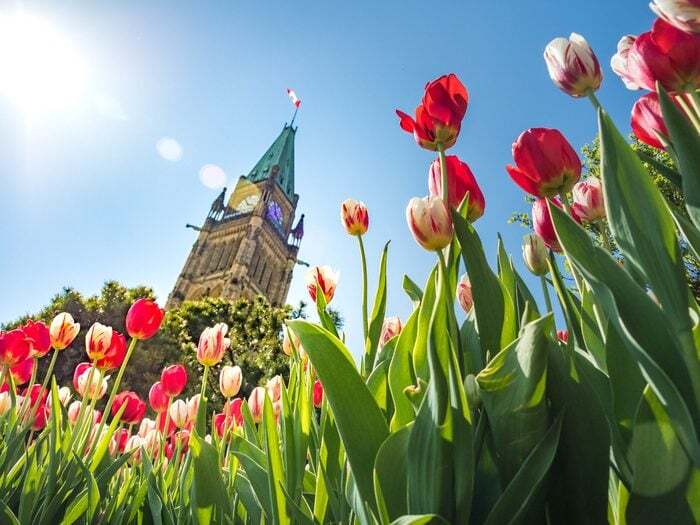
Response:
column 274, row 214
column 248, row 204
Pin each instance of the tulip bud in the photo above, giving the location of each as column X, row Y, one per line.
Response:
column 178, row 413
column 318, row 394
column 74, row 411
column 98, row 340
column 390, row 328
column 464, row 293
column 92, row 384
column 151, row 442
column 230, row 379
column 79, row 369
column 274, row 388
column 64, row 395
column 147, row 424
column 535, row 254
column 619, row 64
column 63, row 331
column 173, row 378
column 117, row 444
column 256, row 403
column 143, row 319
column 37, row 333
column 563, row 336
column 354, row 216
column 5, row 403
column 157, row 398
column 115, row 355
column 290, row 341
column 430, row 222
column 542, row 223
column 213, row 343
column 460, row 181
column 221, row 424
column 682, row 14
column 572, row 65
column 439, row 116
column 193, row 408
column 323, row 277
column 135, row 407
column 233, row 409
column 648, row 122
column 134, row 443
column 588, row 200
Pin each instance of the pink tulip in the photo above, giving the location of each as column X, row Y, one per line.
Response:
column 213, row 343
column 588, row 203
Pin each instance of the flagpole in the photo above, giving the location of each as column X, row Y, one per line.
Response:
column 296, row 108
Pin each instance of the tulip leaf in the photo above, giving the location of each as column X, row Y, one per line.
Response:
column 515, row 502
column 420, row 347
column 643, row 226
column 7, row 516
column 644, row 330
column 512, row 389
column 581, row 467
column 275, row 469
column 422, row 519
column 376, row 318
column 208, row 489
column 487, row 293
column 686, row 146
column 415, row 294
column 509, row 286
column 401, row 375
column 390, row 474
column 689, row 231
column 361, row 424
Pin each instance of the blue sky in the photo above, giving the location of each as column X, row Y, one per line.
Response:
column 86, row 197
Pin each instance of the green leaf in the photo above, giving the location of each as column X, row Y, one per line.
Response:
column 390, row 474
column 376, row 318
column 86, row 501
column 512, row 389
column 419, row 519
column 420, row 347
column 642, row 225
column 516, row 500
column 275, row 471
column 581, row 468
column 361, row 424
column 415, row 294
column 208, row 489
column 506, row 275
column 686, row 146
column 6, row 515
column 489, row 303
column 401, row 374
column 644, row 330
column 689, row 231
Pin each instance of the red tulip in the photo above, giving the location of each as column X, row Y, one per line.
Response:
column 563, row 336
column 573, row 66
column 354, row 216
column 14, row 347
column 221, row 424
column 542, row 222
column 439, row 115
column 648, row 123
column 683, row 14
column 38, row 335
column 22, row 372
column 117, row 445
column 318, row 393
column 430, row 222
column 667, row 55
column 36, row 392
column 173, row 379
column 135, row 407
column 114, row 357
column 143, row 319
column 460, row 181
column 233, row 409
column 79, row 369
column 40, row 418
column 165, row 424
column 546, row 164
column 158, row 398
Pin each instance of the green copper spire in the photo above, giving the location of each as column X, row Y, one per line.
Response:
column 280, row 154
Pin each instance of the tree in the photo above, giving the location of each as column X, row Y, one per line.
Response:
column 658, row 163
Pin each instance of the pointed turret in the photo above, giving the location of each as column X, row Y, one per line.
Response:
column 280, row 155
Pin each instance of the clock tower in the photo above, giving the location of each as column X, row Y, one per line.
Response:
column 247, row 246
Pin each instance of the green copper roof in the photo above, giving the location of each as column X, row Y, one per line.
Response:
column 280, row 153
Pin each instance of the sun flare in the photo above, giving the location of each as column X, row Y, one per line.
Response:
column 39, row 67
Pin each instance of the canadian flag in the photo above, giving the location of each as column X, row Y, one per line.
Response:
column 293, row 97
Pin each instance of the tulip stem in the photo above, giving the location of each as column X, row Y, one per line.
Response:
column 204, row 382
column 545, row 292
column 115, row 386
column 443, row 176
column 364, row 286
column 594, row 100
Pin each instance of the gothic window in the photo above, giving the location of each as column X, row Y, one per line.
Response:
column 214, row 257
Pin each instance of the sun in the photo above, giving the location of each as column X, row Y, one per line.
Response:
column 39, row 67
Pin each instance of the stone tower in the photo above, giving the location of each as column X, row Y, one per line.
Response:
column 247, row 246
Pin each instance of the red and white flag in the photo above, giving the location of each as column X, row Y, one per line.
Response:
column 293, row 97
